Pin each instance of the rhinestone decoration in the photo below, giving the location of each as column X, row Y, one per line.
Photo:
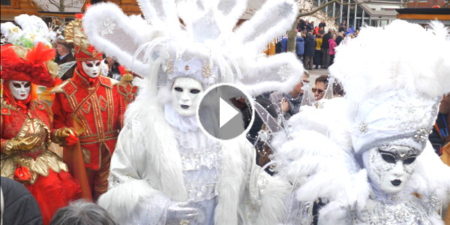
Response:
column 199, row 155
column 206, row 71
column 410, row 212
column 168, row 66
column 363, row 127
column 421, row 135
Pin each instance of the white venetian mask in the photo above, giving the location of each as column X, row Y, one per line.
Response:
column 92, row 68
column 20, row 89
column 185, row 95
column 389, row 167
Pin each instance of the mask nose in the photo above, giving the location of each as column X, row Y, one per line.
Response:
column 185, row 97
column 398, row 169
column 23, row 89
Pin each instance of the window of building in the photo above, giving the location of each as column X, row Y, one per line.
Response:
column 5, row 2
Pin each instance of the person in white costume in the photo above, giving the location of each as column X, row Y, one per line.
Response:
column 367, row 155
column 165, row 170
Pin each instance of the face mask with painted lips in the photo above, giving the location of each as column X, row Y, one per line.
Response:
column 185, row 95
column 389, row 167
column 20, row 89
column 92, row 68
column 396, row 182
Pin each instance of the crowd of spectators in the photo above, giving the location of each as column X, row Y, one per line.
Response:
column 315, row 45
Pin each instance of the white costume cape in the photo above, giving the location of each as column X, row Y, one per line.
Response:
column 147, row 163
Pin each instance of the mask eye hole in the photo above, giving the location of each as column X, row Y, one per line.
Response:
column 195, row 91
column 16, row 85
column 178, row 89
column 27, row 84
column 89, row 64
column 388, row 157
column 98, row 63
column 409, row 160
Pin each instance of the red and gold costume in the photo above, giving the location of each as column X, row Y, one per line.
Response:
column 26, row 131
column 127, row 91
column 90, row 107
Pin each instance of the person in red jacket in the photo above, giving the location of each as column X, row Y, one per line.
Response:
column 26, row 130
column 89, row 105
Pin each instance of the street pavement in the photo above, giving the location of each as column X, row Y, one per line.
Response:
column 313, row 74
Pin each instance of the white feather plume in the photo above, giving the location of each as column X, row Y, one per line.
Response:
column 32, row 28
column 318, row 156
column 319, row 153
column 106, row 25
column 207, row 30
column 160, row 13
column 11, row 32
column 402, row 56
column 272, row 20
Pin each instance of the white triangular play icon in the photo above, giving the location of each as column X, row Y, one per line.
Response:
column 227, row 112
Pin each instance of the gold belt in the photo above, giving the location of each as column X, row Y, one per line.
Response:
column 98, row 138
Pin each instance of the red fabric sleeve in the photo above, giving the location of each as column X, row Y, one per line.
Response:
column 59, row 114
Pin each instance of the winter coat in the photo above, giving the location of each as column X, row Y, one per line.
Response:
column 326, row 37
column 300, row 46
column 309, row 45
column 332, row 45
column 19, row 206
column 149, row 167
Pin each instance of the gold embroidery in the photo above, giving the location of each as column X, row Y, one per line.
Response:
column 5, row 105
column 110, row 104
column 35, row 128
column 77, row 116
column 45, row 160
column 38, row 166
column 86, row 107
column 102, row 103
column 98, row 119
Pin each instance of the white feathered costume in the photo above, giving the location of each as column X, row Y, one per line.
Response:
column 394, row 77
column 162, row 157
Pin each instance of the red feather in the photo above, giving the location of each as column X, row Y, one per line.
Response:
column 9, row 56
column 40, row 54
column 122, row 70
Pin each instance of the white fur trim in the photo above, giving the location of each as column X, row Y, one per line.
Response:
column 279, row 72
column 118, row 35
column 160, row 12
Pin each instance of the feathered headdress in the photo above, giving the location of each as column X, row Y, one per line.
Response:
column 393, row 87
column 32, row 67
column 74, row 34
column 198, row 39
column 396, row 89
column 32, row 30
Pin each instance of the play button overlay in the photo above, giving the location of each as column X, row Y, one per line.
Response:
column 225, row 112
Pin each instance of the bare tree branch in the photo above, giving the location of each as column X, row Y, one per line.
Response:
column 54, row 3
column 300, row 15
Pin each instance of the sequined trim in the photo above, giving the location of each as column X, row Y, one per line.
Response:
column 408, row 212
column 199, row 157
column 198, row 193
column 196, row 161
